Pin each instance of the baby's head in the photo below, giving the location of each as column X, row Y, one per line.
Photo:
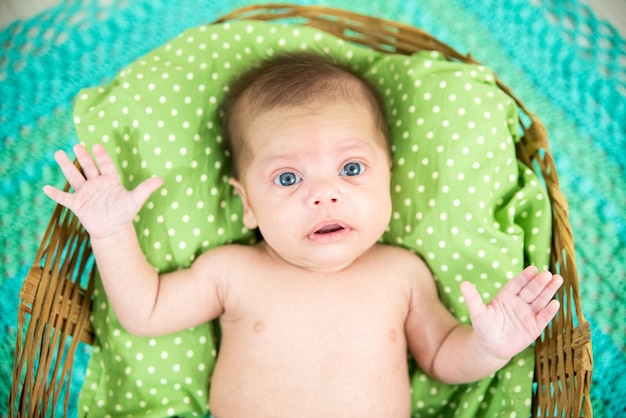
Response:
column 298, row 79
column 311, row 159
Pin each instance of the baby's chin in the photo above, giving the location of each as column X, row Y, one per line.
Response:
column 326, row 258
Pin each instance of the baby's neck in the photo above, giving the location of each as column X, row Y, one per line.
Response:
column 293, row 269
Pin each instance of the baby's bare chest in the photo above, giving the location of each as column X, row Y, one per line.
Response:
column 324, row 318
column 331, row 346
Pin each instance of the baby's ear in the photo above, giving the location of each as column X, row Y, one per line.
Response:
column 249, row 219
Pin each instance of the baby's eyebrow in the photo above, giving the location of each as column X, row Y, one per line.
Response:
column 345, row 149
column 279, row 156
column 356, row 146
column 279, row 159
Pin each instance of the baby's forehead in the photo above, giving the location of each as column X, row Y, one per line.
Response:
column 320, row 110
column 350, row 122
column 330, row 90
column 249, row 108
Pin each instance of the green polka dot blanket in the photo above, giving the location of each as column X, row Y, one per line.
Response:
column 460, row 199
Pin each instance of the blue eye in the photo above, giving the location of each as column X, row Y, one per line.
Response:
column 352, row 169
column 287, row 179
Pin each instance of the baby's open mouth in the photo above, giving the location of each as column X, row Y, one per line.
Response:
column 327, row 229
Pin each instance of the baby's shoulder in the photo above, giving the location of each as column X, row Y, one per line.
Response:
column 406, row 268
column 232, row 250
column 397, row 257
column 395, row 251
column 224, row 258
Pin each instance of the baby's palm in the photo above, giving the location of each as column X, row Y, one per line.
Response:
column 100, row 201
column 517, row 315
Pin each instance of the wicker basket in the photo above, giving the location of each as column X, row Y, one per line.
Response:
column 59, row 302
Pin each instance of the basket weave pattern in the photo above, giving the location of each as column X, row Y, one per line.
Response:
column 55, row 304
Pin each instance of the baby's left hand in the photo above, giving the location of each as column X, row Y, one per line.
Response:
column 517, row 315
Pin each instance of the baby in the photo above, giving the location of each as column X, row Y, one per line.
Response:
column 318, row 316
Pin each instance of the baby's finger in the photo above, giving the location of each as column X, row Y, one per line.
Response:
column 87, row 164
column 545, row 315
column 535, row 287
column 104, row 160
column 57, row 195
column 548, row 292
column 143, row 191
column 74, row 177
column 514, row 286
column 473, row 300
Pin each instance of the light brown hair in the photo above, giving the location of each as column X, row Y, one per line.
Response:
column 293, row 79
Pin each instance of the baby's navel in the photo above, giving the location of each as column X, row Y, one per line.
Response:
column 258, row 327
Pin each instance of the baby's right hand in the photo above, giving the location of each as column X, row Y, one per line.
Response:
column 100, row 201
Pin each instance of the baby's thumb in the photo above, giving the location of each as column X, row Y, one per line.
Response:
column 143, row 191
column 473, row 300
column 57, row 195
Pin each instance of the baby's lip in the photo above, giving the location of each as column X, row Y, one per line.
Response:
column 329, row 230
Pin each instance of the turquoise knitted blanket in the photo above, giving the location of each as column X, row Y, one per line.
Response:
column 565, row 64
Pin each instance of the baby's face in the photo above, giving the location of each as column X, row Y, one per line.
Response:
column 316, row 182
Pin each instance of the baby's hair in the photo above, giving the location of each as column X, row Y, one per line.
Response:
column 294, row 79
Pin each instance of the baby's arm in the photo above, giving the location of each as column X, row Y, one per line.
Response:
column 144, row 303
column 500, row 330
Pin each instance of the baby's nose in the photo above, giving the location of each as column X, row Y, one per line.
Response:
column 324, row 194
column 322, row 200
